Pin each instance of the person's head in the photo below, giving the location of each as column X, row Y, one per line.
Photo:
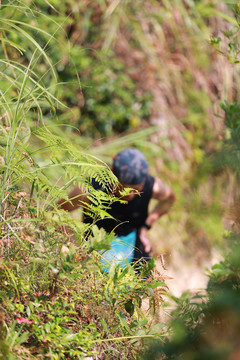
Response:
column 131, row 168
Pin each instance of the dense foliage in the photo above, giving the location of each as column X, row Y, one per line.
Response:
column 73, row 73
column 207, row 326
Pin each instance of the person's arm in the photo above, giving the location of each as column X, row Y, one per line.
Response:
column 77, row 198
column 166, row 197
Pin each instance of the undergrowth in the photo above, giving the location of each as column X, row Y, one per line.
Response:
column 55, row 300
column 207, row 326
column 57, row 303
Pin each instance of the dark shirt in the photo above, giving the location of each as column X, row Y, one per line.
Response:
column 129, row 216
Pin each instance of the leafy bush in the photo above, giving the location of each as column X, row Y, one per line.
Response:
column 101, row 99
column 111, row 101
column 207, row 326
column 55, row 300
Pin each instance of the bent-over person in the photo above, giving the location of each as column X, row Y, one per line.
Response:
column 131, row 168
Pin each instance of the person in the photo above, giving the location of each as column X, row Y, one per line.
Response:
column 131, row 168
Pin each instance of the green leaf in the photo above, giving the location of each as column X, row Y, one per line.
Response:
column 154, row 284
column 123, row 321
column 129, row 307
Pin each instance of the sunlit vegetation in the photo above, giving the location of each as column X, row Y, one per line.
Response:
column 79, row 81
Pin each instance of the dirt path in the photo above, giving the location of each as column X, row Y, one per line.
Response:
column 184, row 273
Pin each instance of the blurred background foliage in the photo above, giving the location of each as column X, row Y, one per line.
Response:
column 205, row 325
column 120, row 73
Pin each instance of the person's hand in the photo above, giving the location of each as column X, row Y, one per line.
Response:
column 144, row 240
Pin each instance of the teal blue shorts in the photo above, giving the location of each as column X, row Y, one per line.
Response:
column 121, row 252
